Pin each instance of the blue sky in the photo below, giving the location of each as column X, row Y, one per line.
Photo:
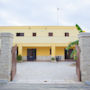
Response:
column 44, row 12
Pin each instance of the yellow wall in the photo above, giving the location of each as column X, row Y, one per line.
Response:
column 42, row 34
column 60, row 51
column 24, row 53
column 40, row 51
column 42, row 42
column 44, row 51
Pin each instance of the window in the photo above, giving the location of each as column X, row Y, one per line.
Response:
column 19, row 34
column 50, row 34
column 34, row 34
column 66, row 34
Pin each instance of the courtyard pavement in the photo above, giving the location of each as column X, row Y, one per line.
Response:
column 27, row 86
column 46, row 72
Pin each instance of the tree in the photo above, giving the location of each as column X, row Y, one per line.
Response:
column 74, row 52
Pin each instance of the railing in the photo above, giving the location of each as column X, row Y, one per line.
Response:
column 78, row 72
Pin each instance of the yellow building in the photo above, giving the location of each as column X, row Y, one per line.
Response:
column 42, row 42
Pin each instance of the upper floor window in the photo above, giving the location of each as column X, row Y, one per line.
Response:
column 66, row 34
column 34, row 34
column 19, row 34
column 50, row 34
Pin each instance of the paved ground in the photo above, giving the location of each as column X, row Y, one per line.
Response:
column 45, row 72
column 38, row 72
column 44, row 86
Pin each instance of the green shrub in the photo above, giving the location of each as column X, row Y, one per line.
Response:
column 74, row 54
column 52, row 58
column 19, row 58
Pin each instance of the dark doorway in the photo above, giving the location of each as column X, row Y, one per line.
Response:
column 67, row 54
column 31, row 54
column 17, row 51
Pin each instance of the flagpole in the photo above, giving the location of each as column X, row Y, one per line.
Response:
column 58, row 16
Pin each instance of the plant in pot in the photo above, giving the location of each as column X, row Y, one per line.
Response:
column 53, row 59
column 19, row 58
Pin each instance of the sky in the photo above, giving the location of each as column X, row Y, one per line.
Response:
column 44, row 13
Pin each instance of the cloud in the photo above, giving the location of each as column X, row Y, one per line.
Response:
column 9, row 19
column 44, row 12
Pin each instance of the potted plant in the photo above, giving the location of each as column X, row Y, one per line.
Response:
column 53, row 59
column 19, row 58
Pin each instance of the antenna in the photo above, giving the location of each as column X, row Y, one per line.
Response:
column 58, row 16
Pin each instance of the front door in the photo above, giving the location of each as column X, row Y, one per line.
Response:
column 31, row 54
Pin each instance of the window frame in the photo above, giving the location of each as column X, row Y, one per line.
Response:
column 66, row 34
column 50, row 34
column 34, row 34
column 19, row 34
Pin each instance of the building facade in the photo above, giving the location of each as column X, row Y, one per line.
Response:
column 42, row 42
